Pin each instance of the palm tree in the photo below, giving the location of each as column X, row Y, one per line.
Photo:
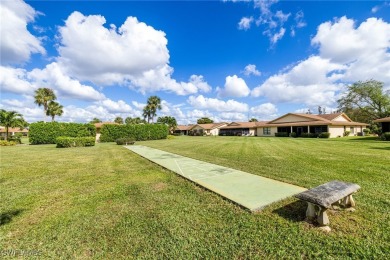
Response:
column 54, row 109
column 170, row 121
column 10, row 119
column 153, row 104
column 43, row 96
column 147, row 113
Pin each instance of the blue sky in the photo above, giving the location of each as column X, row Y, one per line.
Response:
column 227, row 60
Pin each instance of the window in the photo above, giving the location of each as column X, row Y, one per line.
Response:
column 267, row 131
column 352, row 130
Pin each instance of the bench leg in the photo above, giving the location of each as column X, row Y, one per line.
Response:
column 322, row 218
column 311, row 211
column 349, row 202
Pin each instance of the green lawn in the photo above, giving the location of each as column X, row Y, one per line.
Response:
column 106, row 202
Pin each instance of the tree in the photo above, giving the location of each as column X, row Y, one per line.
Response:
column 150, row 110
column 204, row 120
column 54, row 109
column 95, row 120
column 11, row 119
column 367, row 100
column 134, row 121
column 168, row 120
column 42, row 98
column 119, row 120
column 253, row 120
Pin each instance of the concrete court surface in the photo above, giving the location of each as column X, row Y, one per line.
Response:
column 248, row 190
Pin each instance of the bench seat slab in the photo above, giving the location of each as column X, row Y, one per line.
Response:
column 329, row 193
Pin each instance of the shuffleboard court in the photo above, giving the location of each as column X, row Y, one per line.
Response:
column 248, row 190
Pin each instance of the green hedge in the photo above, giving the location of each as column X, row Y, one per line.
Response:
column 281, row 134
column 7, row 143
column 110, row 133
column 46, row 133
column 385, row 136
column 324, row 135
column 66, row 141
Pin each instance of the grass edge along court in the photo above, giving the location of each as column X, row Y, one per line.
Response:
column 107, row 202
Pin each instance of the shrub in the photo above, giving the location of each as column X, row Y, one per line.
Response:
column 293, row 134
column 324, row 135
column 46, row 133
column 15, row 139
column 66, row 141
column 281, row 134
column 385, row 136
column 346, row 133
column 125, row 141
column 305, row 135
column 110, row 133
column 7, row 143
column 366, row 131
column 170, row 137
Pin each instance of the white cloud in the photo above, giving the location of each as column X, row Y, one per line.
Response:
column 309, row 82
column 245, row 23
column 138, row 105
column 346, row 54
column 300, row 22
column 265, row 110
column 250, row 69
column 363, row 49
column 119, row 106
column 13, row 80
column 231, row 116
column 274, row 38
column 16, row 42
column 54, row 77
column 234, row 87
column 134, row 54
column 201, row 102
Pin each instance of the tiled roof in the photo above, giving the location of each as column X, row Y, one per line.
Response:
column 183, row 127
column 330, row 116
column 385, row 119
column 240, row 125
column 209, row 126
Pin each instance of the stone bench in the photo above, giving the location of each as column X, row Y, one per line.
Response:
column 321, row 198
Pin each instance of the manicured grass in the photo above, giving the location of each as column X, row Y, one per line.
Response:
column 106, row 202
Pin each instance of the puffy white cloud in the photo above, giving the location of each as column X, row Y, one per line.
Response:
column 234, row 87
column 201, row 102
column 245, row 23
column 265, row 110
column 309, row 82
column 119, row 106
column 250, row 69
column 138, row 105
column 16, row 42
column 134, row 54
column 363, row 49
column 346, row 54
column 53, row 76
column 14, row 80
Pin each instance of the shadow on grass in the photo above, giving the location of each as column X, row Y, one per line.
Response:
column 6, row 217
column 381, row 148
column 295, row 211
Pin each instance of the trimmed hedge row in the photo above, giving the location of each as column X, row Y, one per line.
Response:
column 110, row 133
column 66, row 141
column 46, row 133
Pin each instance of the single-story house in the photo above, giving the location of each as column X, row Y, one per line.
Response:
column 182, row 129
column 12, row 131
column 99, row 127
column 336, row 124
column 206, row 129
column 239, row 128
column 385, row 122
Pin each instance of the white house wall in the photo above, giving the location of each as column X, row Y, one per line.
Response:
column 260, row 131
